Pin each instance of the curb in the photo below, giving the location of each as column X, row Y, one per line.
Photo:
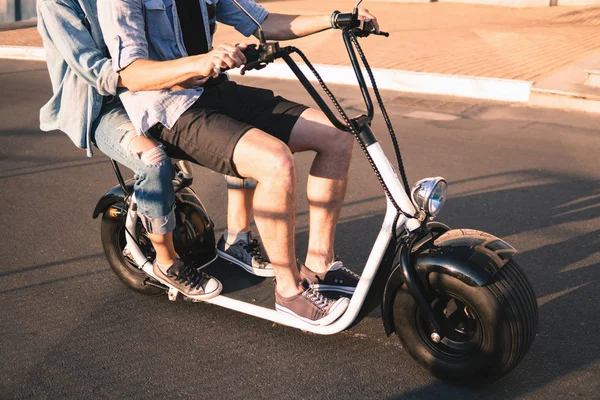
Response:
column 28, row 53
column 403, row 81
column 547, row 98
column 409, row 81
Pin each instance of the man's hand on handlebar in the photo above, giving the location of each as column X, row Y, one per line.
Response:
column 364, row 15
column 221, row 58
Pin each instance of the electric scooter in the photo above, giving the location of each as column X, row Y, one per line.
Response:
column 456, row 298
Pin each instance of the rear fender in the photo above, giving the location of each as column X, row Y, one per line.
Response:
column 113, row 196
column 474, row 257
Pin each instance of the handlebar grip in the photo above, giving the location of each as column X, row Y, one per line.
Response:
column 252, row 53
column 347, row 20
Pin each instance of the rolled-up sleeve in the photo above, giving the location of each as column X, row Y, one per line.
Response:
column 123, row 27
column 75, row 44
column 229, row 14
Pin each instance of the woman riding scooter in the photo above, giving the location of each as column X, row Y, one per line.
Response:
column 86, row 108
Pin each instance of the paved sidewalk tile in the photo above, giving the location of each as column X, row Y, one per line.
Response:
column 455, row 39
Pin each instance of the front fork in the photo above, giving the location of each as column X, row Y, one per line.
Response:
column 405, row 273
column 415, row 286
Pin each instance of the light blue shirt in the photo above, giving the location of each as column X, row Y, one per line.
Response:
column 80, row 71
column 150, row 30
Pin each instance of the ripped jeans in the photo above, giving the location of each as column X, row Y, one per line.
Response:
column 113, row 134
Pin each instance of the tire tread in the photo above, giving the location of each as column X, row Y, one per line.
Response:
column 513, row 290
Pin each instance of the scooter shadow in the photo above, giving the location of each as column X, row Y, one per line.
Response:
column 236, row 280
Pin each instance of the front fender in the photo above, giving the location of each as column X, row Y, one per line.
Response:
column 474, row 257
column 114, row 195
column 471, row 256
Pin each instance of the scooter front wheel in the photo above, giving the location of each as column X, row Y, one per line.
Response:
column 486, row 330
column 112, row 232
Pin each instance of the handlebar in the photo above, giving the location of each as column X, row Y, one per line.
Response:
column 360, row 28
column 366, row 28
column 257, row 57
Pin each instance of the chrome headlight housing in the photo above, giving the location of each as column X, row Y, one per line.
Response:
column 429, row 195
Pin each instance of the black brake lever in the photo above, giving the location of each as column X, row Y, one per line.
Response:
column 366, row 28
column 256, row 65
column 257, row 57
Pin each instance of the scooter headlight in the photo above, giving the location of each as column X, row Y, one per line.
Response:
column 429, row 195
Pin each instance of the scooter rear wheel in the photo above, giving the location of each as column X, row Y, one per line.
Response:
column 486, row 330
column 112, row 232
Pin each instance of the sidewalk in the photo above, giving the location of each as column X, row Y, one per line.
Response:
column 525, row 44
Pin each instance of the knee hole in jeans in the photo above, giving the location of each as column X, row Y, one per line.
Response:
column 147, row 149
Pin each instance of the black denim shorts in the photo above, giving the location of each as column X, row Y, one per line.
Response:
column 207, row 133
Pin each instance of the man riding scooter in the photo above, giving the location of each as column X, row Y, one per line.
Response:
column 81, row 74
column 238, row 130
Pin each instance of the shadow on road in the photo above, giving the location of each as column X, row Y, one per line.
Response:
column 155, row 337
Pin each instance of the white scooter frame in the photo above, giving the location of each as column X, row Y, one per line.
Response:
column 356, row 302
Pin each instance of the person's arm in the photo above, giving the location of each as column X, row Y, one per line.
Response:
column 286, row 27
column 123, row 26
column 76, row 45
column 277, row 26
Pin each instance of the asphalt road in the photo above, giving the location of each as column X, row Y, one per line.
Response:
column 70, row 329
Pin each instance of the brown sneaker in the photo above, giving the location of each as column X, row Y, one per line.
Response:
column 337, row 279
column 311, row 306
column 188, row 280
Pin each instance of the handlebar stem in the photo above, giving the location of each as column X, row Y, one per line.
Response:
column 359, row 74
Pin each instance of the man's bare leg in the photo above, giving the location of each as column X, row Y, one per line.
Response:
column 327, row 182
column 270, row 162
column 239, row 209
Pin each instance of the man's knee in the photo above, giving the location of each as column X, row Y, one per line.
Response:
column 282, row 166
column 315, row 132
column 345, row 140
column 277, row 169
column 337, row 142
column 265, row 159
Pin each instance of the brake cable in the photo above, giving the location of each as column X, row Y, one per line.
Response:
column 388, row 122
column 291, row 49
column 384, row 113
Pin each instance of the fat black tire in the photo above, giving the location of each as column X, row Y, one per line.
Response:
column 505, row 311
column 112, row 233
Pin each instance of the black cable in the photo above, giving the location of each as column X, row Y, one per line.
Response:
column 352, row 129
column 388, row 122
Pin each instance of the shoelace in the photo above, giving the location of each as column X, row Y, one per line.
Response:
column 317, row 299
column 355, row 276
column 254, row 248
column 191, row 277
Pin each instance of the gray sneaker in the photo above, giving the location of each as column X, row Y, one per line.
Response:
column 247, row 256
column 312, row 307
column 188, row 280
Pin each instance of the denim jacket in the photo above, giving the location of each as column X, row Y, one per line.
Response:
column 150, row 30
column 79, row 69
